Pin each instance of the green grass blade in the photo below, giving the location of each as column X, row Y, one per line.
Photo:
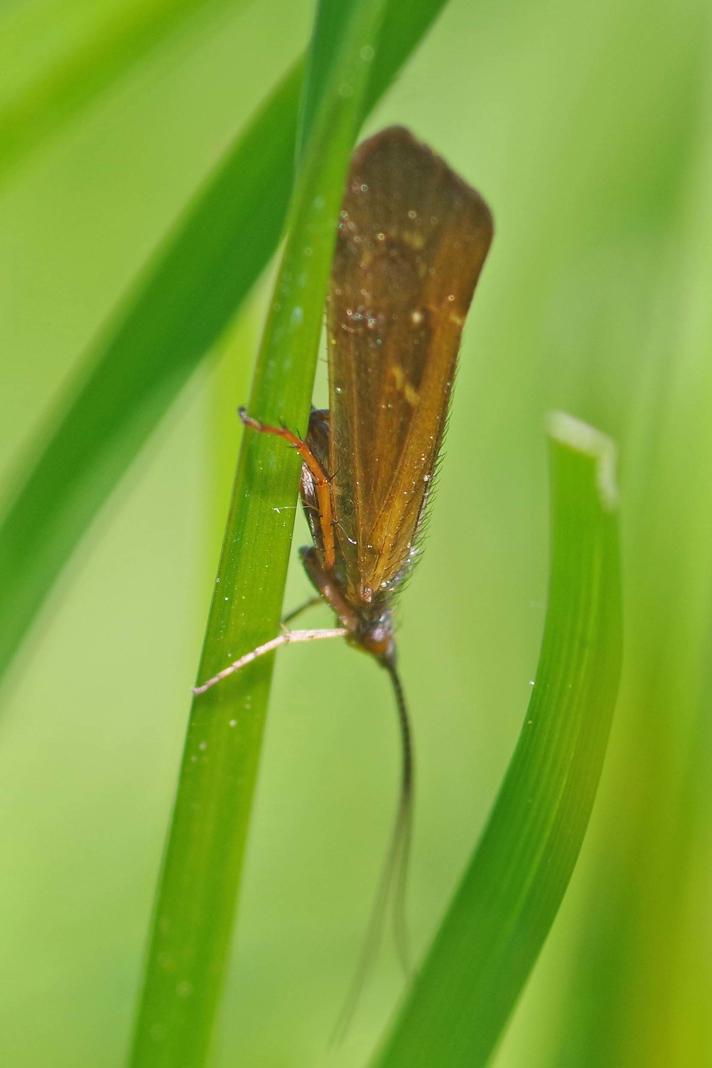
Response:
column 200, row 879
column 77, row 79
column 327, row 31
column 177, row 312
column 516, row 879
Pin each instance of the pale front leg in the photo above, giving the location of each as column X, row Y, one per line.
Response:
column 288, row 637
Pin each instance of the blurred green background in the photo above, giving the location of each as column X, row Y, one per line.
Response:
column 588, row 128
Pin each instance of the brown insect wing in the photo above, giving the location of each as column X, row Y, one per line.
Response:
column 411, row 243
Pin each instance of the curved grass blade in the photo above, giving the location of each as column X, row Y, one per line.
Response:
column 201, row 874
column 177, row 312
column 501, row 914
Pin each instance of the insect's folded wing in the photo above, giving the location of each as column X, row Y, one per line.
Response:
column 412, row 240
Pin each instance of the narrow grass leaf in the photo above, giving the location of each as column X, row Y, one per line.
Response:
column 198, row 889
column 501, row 914
column 178, row 309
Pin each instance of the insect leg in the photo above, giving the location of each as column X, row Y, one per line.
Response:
column 288, row 637
column 328, row 587
column 309, row 603
column 322, row 483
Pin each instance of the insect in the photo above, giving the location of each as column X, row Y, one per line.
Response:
column 411, row 241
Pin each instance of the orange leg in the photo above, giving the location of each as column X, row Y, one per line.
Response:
column 322, row 484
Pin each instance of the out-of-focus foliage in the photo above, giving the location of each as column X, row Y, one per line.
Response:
column 588, row 129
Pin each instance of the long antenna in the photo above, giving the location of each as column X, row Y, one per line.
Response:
column 404, row 820
column 394, row 873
